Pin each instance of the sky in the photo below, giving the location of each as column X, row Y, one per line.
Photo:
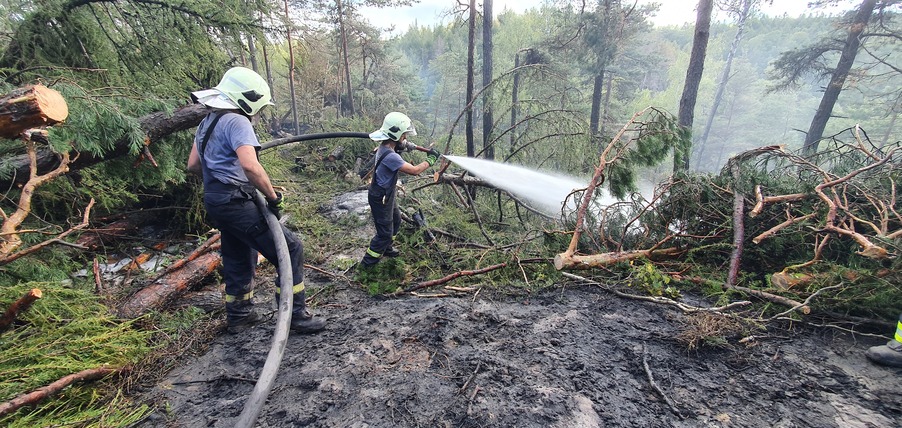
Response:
column 672, row 12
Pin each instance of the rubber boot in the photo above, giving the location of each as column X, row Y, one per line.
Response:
column 302, row 321
column 391, row 252
column 889, row 355
column 240, row 316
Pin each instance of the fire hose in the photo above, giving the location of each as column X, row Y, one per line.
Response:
column 254, row 403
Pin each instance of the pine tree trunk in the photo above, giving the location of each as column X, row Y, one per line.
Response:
column 471, row 70
column 155, row 125
column 694, row 76
column 515, row 101
column 344, row 56
column 487, row 120
column 838, row 79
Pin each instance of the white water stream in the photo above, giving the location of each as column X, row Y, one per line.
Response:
column 545, row 190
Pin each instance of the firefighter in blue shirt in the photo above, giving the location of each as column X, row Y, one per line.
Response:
column 396, row 127
column 224, row 154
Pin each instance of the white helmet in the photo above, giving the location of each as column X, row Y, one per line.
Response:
column 240, row 88
column 393, row 127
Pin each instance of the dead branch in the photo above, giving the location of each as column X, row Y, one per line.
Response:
column 774, row 298
column 17, row 307
column 58, row 240
column 590, row 189
column 572, row 261
column 657, row 299
column 42, row 393
column 868, row 248
column 770, row 232
column 478, row 219
column 757, row 293
column 803, row 305
column 762, row 200
column 455, row 275
column 651, row 380
column 11, row 240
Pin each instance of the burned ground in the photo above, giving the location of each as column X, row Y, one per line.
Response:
column 570, row 357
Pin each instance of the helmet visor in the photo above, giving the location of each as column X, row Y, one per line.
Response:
column 213, row 98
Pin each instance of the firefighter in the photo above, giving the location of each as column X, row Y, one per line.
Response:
column 392, row 136
column 889, row 355
column 224, row 154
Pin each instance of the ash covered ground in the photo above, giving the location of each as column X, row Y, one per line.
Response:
column 572, row 357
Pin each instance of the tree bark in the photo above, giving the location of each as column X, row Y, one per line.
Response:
column 156, row 125
column 18, row 307
column 694, row 76
column 487, row 120
column 515, row 101
column 471, row 70
column 344, row 56
column 165, row 288
column 31, row 107
column 294, row 104
column 838, row 78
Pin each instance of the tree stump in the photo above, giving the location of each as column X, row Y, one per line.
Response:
column 31, row 107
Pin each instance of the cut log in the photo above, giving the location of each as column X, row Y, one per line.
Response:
column 155, row 125
column 166, row 288
column 573, row 261
column 31, row 107
column 42, row 393
column 336, row 154
column 17, row 307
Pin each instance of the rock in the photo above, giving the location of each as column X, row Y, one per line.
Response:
column 351, row 203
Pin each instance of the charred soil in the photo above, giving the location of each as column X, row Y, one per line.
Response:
column 572, row 357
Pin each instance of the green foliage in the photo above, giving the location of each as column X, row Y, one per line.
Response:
column 66, row 331
column 386, row 277
column 648, row 278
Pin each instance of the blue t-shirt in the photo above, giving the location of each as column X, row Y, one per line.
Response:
column 388, row 168
column 220, row 162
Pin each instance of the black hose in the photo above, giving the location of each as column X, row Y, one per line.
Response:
column 307, row 137
column 280, row 338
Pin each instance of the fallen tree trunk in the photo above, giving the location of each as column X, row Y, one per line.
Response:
column 128, row 226
column 30, row 107
column 156, row 125
column 18, row 306
column 573, row 261
column 42, row 393
column 164, row 289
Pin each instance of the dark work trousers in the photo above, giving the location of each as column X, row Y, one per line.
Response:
column 387, row 218
column 244, row 233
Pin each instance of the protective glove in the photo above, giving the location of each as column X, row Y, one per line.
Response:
column 276, row 205
column 432, row 156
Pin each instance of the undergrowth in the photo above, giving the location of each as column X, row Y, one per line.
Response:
column 64, row 332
